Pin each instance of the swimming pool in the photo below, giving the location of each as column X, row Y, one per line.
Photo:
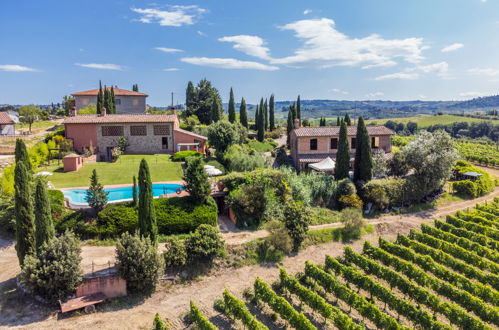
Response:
column 77, row 196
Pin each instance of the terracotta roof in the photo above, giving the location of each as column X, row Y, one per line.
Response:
column 117, row 91
column 117, row 119
column 335, row 131
column 190, row 133
column 5, row 119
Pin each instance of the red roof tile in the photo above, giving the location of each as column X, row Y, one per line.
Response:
column 335, row 131
column 5, row 119
column 191, row 133
column 117, row 92
column 118, row 119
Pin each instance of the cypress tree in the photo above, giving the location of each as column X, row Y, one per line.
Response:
column 105, row 99
column 21, row 155
column 362, row 169
column 23, row 211
column 43, row 215
column 293, row 111
column 243, row 114
column 266, row 115
column 190, row 98
column 261, row 124
column 256, row 117
column 298, row 108
column 338, row 123
column 100, row 96
column 289, row 126
column 342, row 155
column 232, row 107
column 215, row 111
column 113, row 103
column 134, row 191
column 147, row 217
column 347, row 120
column 271, row 113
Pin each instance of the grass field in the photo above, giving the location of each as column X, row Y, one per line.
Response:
column 120, row 172
column 425, row 121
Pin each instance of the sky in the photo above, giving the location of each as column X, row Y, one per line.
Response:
column 324, row 49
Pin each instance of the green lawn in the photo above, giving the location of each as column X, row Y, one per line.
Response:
column 426, row 120
column 120, row 172
column 37, row 125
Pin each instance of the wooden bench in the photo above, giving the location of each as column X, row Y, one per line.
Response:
column 86, row 302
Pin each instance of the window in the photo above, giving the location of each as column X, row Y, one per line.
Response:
column 164, row 143
column 354, row 143
column 117, row 101
column 334, row 143
column 313, row 144
column 161, row 130
column 375, row 142
column 138, row 130
column 112, row 131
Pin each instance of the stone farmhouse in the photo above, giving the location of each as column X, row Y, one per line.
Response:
column 7, row 124
column 126, row 101
column 314, row 144
column 146, row 134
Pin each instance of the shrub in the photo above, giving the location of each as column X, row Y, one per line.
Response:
column 346, row 187
column 177, row 215
column 240, row 159
column 347, row 201
column 384, row 193
column 196, row 180
column 352, row 223
column 159, row 324
column 296, row 221
column 204, row 244
column 56, row 199
column 175, row 254
column 465, row 188
column 117, row 219
column 397, row 166
column 55, row 273
column 138, row 262
column 182, row 155
column 481, row 186
column 7, row 217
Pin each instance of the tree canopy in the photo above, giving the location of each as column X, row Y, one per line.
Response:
column 200, row 100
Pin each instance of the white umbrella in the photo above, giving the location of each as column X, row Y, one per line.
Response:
column 44, row 173
column 212, row 171
column 325, row 165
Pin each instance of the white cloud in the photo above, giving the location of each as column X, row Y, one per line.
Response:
column 101, row 66
column 171, row 69
column 168, row 50
column 201, row 33
column 452, row 47
column 471, row 94
column 491, row 72
column 398, row 75
column 228, row 63
column 325, row 46
column 174, row 16
column 338, row 91
column 16, row 68
column 307, row 11
column 250, row 45
column 375, row 95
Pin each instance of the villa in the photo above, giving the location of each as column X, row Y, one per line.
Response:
column 146, row 134
column 7, row 124
column 314, row 144
column 126, row 101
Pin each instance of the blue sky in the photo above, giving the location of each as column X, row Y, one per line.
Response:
column 365, row 49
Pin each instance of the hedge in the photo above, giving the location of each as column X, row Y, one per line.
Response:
column 182, row 155
column 481, row 186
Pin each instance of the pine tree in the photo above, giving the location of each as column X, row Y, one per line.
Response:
column 243, row 114
column 271, row 113
column 21, row 155
column 362, row 169
column 43, row 215
column 215, row 111
column 232, row 107
column 100, row 98
column 113, row 101
column 342, row 155
column 134, row 191
column 338, row 122
column 298, row 108
column 347, row 120
column 289, row 126
column 147, row 217
column 261, row 124
column 23, row 211
column 96, row 196
column 266, row 115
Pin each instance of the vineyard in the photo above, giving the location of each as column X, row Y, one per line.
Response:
column 444, row 276
column 483, row 154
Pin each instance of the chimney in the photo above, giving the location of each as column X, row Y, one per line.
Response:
column 297, row 123
column 174, row 111
column 73, row 111
column 103, row 111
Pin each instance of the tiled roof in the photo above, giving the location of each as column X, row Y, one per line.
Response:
column 117, row 119
column 5, row 119
column 117, row 91
column 190, row 133
column 335, row 131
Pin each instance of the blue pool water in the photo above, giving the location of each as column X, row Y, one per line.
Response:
column 77, row 196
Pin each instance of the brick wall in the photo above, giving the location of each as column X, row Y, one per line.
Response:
column 82, row 135
column 112, row 286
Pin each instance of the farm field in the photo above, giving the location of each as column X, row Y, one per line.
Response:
column 479, row 153
column 426, row 121
column 120, row 172
column 444, row 276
